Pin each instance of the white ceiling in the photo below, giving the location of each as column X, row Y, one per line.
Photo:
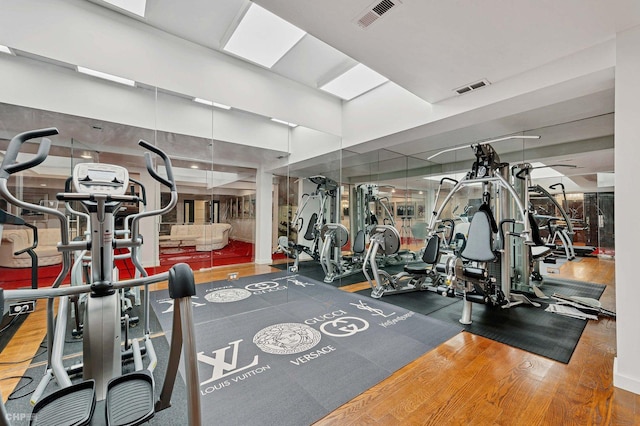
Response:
column 428, row 47
column 433, row 47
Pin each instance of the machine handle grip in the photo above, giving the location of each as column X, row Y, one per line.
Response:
column 8, row 167
column 519, row 174
column 169, row 181
column 501, row 227
column 560, row 184
column 142, row 189
column 75, row 196
column 455, row 182
column 34, row 245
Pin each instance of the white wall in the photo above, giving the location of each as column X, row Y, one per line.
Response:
column 28, row 83
column 627, row 152
column 307, row 143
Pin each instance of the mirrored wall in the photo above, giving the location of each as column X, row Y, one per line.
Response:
column 219, row 156
column 243, row 179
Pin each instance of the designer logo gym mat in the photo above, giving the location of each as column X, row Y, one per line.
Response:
column 295, row 349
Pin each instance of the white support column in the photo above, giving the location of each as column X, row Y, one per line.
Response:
column 149, row 227
column 264, row 217
column 627, row 149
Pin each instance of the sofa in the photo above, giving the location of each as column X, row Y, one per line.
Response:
column 16, row 239
column 205, row 237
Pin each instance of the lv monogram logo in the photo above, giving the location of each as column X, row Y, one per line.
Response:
column 222, row 368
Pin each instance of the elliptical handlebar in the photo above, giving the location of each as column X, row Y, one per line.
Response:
column 169, row 181
column 143, row 191
column 9, row 165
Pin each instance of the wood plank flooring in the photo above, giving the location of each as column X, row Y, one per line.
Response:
column 469, row 380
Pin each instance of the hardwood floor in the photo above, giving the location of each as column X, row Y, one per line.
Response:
column 468, row 380
column 473, row 380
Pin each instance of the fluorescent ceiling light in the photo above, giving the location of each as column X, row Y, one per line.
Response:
column 284, row 122
column 263, row 37
column 106, row 76
column 5, row 49
column 210, row 103
column 203, row 101
column 137, row 7
column 355, row 82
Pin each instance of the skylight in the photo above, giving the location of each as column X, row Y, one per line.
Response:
column 106, row 76
column 263, row 37
column 355, row 82
column 137, row 7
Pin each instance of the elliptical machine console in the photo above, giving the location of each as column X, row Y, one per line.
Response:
column 98, row 177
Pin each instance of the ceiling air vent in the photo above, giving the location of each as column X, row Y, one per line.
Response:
column 374, row 12
column 471, row 87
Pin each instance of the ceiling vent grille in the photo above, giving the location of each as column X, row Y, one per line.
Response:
column 374, row 12
column 473, row 86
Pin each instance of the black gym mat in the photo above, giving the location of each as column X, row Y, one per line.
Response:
column 313, row 270
column 288, row 350
column 525, row 327
column 423, row 302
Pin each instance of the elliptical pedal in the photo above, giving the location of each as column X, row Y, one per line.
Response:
column 130, row 399
column 73, row 405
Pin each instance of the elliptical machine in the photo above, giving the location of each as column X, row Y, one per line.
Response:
column 128, row 398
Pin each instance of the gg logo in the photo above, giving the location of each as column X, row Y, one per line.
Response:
column 266, row 285
column 344, row 327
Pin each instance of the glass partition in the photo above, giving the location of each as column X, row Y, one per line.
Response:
column 215, row 157
column 79, row 140
column 323, row 201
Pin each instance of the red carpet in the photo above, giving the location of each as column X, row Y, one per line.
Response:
column 234, row 253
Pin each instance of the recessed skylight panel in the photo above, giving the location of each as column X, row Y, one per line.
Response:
column 263, row 37
column 355, row 82
column 137, row 7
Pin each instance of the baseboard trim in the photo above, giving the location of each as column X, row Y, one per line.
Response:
column 624, row 382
